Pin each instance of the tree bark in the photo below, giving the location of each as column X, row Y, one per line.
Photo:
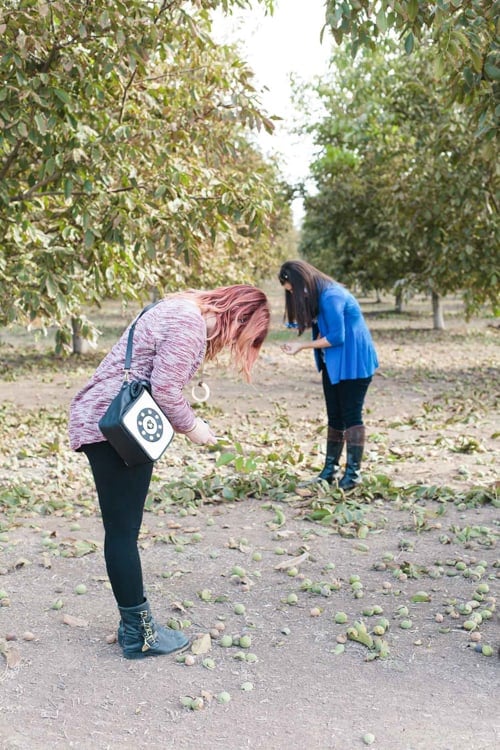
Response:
column 80, row 345
column 437, row 312
column 399, row 300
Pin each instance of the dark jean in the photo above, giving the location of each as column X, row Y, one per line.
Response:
column 122, row 492
column 344, row 401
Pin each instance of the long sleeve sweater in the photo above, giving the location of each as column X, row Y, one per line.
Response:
column 351, row 353
column 169, row 346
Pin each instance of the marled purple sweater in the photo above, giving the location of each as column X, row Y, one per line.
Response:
column 169, row 346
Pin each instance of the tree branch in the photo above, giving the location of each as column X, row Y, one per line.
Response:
column 125, row 95
column 29, row 193
column 77, row 193
column 165, row 4
column 10, row 159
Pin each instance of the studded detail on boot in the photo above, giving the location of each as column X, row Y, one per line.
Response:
column 120, row 635
column 139, row 635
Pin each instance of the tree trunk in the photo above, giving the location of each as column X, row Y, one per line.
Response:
column 437, row 312
column 80, row 345
column 399, row 300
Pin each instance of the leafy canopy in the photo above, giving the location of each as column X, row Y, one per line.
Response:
column 405, row 195
column 125, row 156
column 464, row 33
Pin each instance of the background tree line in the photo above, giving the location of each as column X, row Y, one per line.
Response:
column 128, row 165
column 126, row 162
column 406, row 175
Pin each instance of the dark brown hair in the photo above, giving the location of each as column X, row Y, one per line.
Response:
column 302, row 302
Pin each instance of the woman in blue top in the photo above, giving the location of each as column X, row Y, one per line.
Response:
column 344, row 354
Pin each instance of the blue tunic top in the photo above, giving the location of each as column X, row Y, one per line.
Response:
column 352, row 353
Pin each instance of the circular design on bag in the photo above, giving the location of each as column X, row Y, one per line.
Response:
column 150, row 425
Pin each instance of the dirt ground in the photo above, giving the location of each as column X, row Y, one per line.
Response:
column 302, row 683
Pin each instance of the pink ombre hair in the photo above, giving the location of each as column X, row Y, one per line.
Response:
column 242, row 317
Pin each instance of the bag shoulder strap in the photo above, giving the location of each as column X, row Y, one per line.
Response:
column 130, row 341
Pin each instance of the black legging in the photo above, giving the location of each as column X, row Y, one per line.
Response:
column 344, row 401
column 122, row 492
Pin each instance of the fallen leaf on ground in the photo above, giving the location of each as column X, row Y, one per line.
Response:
column 74, row 622
column 202, row 645
column 292, row 562
column 303, row 492
column 11, row 653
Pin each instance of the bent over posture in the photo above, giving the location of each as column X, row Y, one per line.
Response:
column 344, row 354
column 171, row 341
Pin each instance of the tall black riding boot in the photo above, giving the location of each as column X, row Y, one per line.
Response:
column 141, row 636
column 355, row 440
column 334, row 448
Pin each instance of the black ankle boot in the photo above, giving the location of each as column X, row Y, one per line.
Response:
column 121, row 630
column 139, row 635
column 355, row 439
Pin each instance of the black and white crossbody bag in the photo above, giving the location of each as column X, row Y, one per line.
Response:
column 134, row 424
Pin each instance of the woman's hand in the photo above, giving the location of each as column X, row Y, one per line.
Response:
column 202, row 433
column 292, row 347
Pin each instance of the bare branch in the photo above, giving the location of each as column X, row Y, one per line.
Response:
column 125, row 95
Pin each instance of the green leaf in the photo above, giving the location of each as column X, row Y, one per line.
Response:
column 62, row 95
column 412, row 9
column 477, row 61
column 41, row 123
column 88, row 239
column 68, row 188
column 51, row 286
column 160, row 191
column 104, row 20
column 468, row 77
column 381, row 20
column 492, row 71
column 50, row 166
column 409, row 43
column 224, row 459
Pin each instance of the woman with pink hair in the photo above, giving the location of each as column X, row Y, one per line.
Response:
column 171, row 341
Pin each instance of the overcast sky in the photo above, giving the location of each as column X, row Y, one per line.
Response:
column 275, row 47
